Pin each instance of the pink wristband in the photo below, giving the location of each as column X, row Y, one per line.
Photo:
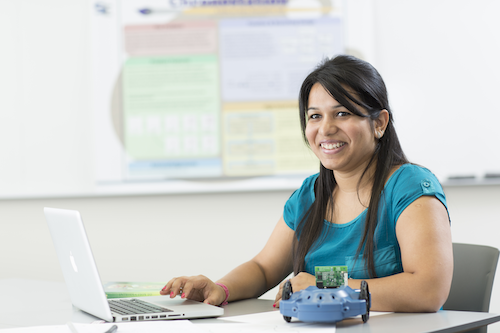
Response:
column 226, row 291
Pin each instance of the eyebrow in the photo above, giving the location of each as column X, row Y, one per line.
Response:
column 313, row 108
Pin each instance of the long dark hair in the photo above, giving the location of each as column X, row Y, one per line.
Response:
column 353, row 83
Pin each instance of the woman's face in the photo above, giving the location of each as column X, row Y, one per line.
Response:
column 341, row 140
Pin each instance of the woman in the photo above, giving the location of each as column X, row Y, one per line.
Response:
column 368, row 208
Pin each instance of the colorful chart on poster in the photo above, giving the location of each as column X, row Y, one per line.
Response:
column 209, row 89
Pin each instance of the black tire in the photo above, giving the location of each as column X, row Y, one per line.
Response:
column 287, row 292
column 365, row 294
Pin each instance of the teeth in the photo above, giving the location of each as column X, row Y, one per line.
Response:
column 332, row 145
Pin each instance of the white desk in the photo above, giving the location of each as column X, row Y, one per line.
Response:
column 49, row 304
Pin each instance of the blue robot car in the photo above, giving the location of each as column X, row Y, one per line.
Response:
column 327, row 305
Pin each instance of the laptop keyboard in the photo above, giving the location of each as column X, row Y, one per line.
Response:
column 134, row 306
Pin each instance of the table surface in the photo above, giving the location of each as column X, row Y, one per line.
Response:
column 36, row 302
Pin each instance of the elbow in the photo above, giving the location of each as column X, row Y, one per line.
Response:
column 433, row 299
column 426, row 302
column 434, row 289
column 433, row 304
column 428, row 294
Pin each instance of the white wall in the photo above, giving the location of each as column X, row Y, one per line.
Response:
column 169, row 235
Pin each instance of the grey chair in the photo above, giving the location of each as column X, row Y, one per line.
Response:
column 473, row 275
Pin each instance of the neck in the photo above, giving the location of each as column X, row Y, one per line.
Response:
column 349, row 182
column 350, row 196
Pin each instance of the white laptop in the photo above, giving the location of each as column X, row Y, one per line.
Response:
column 85, row 287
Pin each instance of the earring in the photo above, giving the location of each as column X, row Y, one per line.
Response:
column 379, row 135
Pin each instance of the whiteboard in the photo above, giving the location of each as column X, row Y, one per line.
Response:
column 439, row 60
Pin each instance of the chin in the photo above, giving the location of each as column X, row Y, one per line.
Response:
column 329, row 166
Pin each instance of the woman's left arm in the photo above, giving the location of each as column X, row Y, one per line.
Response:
column 424, row 236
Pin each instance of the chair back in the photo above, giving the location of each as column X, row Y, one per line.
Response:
column 473, row 275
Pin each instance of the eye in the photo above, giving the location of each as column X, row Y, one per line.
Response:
column 314, row 116
column 343, row 114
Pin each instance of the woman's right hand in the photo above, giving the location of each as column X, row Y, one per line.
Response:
column 198, row 288
column 299, row 282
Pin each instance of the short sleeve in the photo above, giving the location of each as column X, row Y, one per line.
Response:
column 412, row 183
column 299, row 202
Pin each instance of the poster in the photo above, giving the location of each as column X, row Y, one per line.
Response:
column 205, row 89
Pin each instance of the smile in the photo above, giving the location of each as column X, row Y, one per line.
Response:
column 332, row 145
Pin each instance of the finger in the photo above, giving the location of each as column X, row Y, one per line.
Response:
column 186, row 289
column 277, row 301
column 280, row 291
column 197, row 287
column 177, row 286
column 166, row 289
column 278, row 295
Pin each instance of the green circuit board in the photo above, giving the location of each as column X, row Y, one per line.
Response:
column 330, row 276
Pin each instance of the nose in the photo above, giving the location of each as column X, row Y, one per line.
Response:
column 328, row 127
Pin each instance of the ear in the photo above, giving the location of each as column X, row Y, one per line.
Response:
column 380, row 124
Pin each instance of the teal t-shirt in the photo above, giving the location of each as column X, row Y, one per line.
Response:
column 340, row 241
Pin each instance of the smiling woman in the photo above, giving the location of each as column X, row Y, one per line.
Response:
column 340, row 138
column 344, row 102
column 368, row 208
